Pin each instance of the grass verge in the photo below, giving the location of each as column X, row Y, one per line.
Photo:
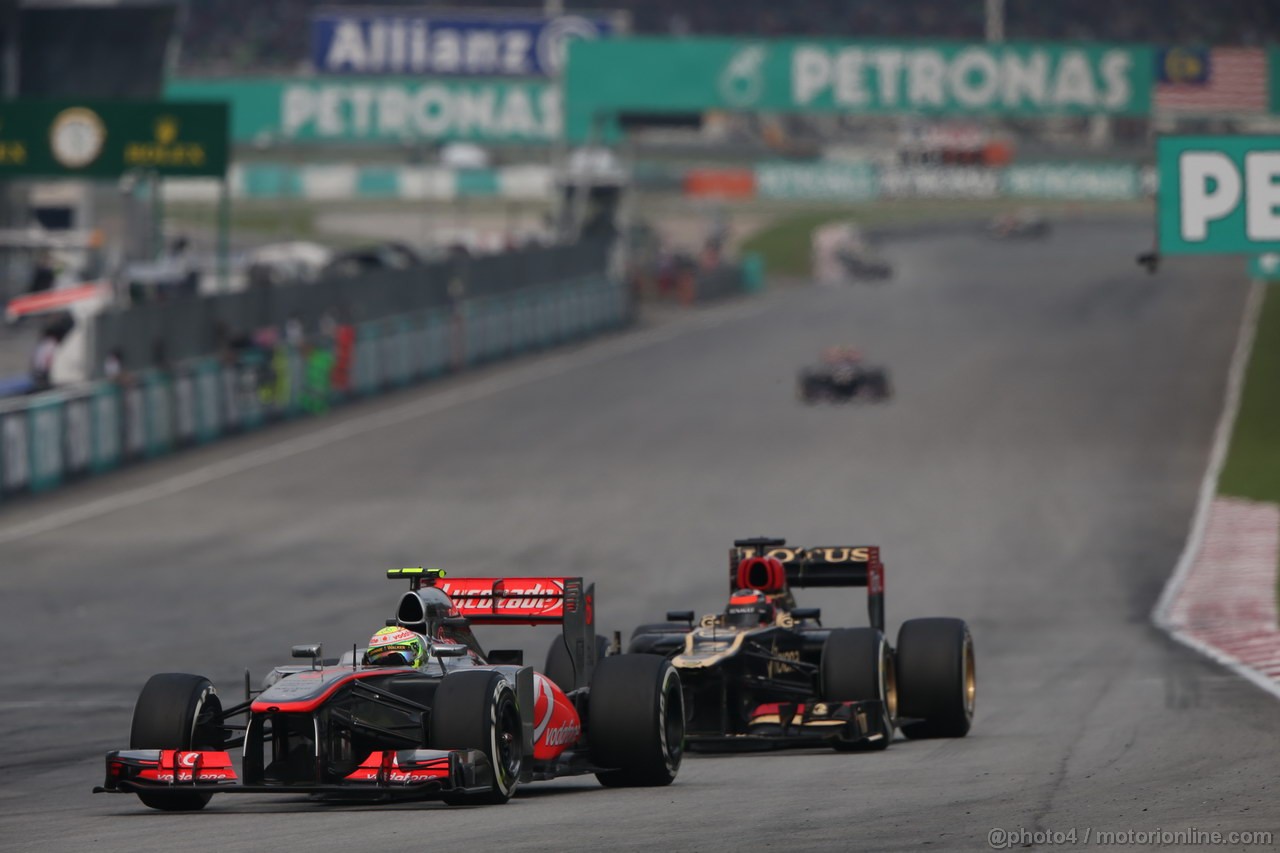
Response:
column 1252, row 467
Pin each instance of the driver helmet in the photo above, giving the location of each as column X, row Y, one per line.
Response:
column 748, row 608
column 397, row 646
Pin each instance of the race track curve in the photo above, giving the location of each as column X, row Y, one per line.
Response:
column 1035, row 475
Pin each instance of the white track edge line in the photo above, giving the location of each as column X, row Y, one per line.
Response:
column 1208, row 490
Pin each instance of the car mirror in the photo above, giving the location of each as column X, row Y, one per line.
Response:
column 813, row 613
column 455, row 622
column 680, row 616
column 310, row 650
column 449, row 650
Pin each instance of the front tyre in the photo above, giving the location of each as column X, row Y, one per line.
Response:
column 857, row 666
column 477, row 710
column 176, row 711
column 636, row 721
column 937, row 677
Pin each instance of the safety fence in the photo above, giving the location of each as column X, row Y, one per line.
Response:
column 195, row 326
column 63, row 435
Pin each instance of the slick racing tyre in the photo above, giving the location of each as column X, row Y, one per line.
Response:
column 857, row 666
column 936, row 677
column 477, row 710
column 636, row 721
column 559, row 666
column 176, row 711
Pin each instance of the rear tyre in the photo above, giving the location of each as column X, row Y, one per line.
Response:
column 176, row 711
column 559, row 666
column 477, row 710
column 857, row 666
column 937, row 677
column 636, row 721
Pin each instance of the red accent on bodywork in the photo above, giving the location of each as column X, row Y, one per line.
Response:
column 385, row 767
column 190, row 766
column 533, row 601
column 556, row 725
column 763, row 573
column 875, row 577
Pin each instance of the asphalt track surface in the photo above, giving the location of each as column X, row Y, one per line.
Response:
column 1035, row 475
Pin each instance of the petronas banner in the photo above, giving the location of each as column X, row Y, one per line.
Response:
column 659, row 75
column 272, row 110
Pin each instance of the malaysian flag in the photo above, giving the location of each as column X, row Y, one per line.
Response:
column 1211, row 80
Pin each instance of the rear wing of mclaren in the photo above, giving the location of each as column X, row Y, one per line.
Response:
column 770, row 565
column 564, row 601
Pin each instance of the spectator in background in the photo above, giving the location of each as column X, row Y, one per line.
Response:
column 113, row 364
column 294, row 334
column 44, row 273
column 42, row 359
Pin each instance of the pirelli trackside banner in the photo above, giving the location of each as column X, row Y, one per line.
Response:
column 662, row 75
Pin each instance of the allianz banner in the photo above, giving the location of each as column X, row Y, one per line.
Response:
column 351, row 41
column 269, row 110
column 662, row 75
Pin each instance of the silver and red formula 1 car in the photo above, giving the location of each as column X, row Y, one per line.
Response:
column 765, row 673
column 465, row 726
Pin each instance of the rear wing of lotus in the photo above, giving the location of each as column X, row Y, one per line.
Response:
column 770, row 566
column 565, row 601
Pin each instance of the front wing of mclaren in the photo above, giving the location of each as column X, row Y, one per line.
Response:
column 409, row 773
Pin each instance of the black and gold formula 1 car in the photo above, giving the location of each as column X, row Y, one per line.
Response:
column 765, row 673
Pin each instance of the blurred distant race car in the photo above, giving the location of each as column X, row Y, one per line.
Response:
column 765, row 673
column 864, row 263
column 456, row 724
column 843, row 377
column 842, row 253
column 1027, row 223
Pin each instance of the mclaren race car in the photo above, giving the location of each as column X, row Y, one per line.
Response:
column 843, row 377
column 455, row 723
column 765, row 673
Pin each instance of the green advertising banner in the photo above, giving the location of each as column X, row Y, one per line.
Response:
column 1085, row 181
column 105, row 139
column 835, row 181
column 1218, row 194
column 666, row 75
column 266, row 110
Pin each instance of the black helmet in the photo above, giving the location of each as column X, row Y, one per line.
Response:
column 748, row 608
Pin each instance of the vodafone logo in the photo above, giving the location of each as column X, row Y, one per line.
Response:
column 545, row 597
column 568, row 733
column 189, row 759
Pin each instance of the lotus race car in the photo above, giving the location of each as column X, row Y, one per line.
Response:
column 465, row 726
column 843, row 377
column 766, row 673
